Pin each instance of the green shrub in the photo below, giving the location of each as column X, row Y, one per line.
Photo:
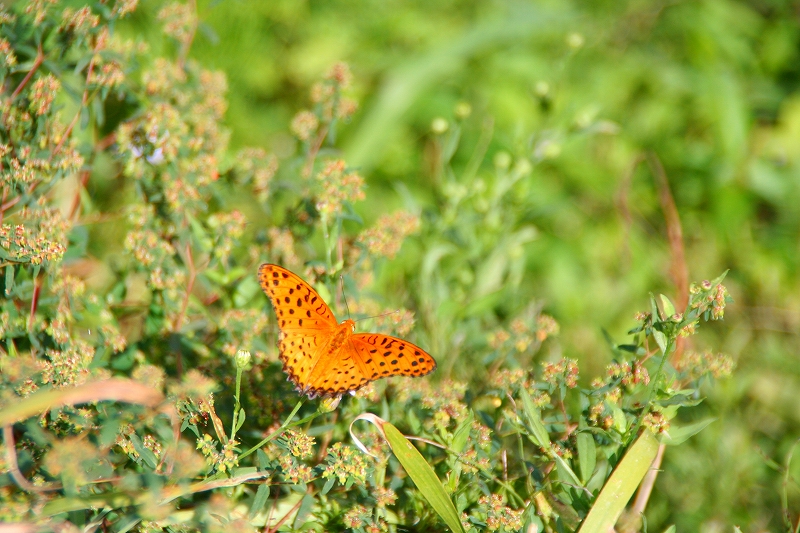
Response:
column 141, row 387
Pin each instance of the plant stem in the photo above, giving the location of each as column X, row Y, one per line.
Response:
column 652, row 390
column 286, row 425
column 237, row 406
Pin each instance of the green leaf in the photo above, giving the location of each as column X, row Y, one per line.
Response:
column 684, row 400
column 9, row 279
column 661, row 340
column 305, row 509
column 423, row 476
column 328, row 486
column 539, row 434
column 262, row 459
column 654, row 309
column 666, row 304
column 587, row 455
column 461, row 434
column 146, row 454
column 239, row 420
column 245, row 291
column 680, row 434
column 260, row 499
column 565, row 472
column 451, row 143
column 621, row 485
column 718, row 279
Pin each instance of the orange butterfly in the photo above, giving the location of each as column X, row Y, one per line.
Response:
column 323, row 357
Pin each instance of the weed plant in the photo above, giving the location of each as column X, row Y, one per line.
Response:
column 140, row 383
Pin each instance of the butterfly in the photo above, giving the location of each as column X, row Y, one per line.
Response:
column 323, row 357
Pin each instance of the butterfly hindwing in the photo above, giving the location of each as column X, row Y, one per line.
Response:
column 338, row 370
column 383, row 356
column 298, row 353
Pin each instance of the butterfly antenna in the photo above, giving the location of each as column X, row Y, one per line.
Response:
column 380, row 316
column 344, row 296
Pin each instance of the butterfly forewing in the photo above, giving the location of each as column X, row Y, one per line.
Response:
column 296, row 303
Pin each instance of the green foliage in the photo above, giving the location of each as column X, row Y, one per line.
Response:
column 132, row 231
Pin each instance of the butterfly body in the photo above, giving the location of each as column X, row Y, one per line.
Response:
column 323, row 357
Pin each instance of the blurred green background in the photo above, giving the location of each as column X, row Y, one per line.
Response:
column 595, row 96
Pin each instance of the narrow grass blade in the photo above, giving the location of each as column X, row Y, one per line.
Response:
column 680, row 434
column 621, row 485
column 418, row 470
column 116, row 389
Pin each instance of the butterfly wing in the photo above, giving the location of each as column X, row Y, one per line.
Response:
column 296, row 303
column 306, row 322
column 324, row 358
column 350, row 361
column 381, row 356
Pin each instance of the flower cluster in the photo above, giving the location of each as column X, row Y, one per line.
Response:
column 293, row 470
column 298, row 444
column 355, row 516
column 304, row 125
column 68, row 367
column 694, row 365
column 656, row 421
column 327, row 94
column 240, row 328
column 446, row 401
column 709, row 297
column 360, row 518
column 79, row 21
column 498, row 516
column 43, row 92
column 224, row 460
column 565, row 370
column 228, row 228
column 282, row 247
column 75, row 460
column 345, row 464
column 388, row 234
column 151, row 375
column 27, row 245
column 7, row 56
column 179, row 20
column 338, row 185
column 629, row 374
column 256, row 168
column 525, row 333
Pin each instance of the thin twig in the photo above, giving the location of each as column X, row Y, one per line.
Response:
column 678, row 269
column 84, row 101
column 189, row 286
column 13, row 466
column 37, row 289
column 314, row 150
column 187, row 45
column 36, row 64
column 287, row 515
column 623, row 206
column 76, row 201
